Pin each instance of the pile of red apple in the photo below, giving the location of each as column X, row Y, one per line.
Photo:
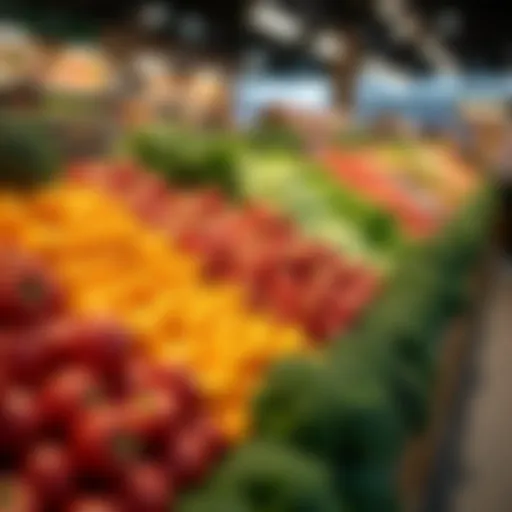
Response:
column 85, row 424
column 299, row 280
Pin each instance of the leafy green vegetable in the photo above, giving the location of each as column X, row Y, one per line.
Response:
column 273, row 478
column 28, row 155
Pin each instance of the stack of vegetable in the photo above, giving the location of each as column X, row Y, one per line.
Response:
column 119, row 268
column 284, row 272
column 85, row 424
column 255, row 269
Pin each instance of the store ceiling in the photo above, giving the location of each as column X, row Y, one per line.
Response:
column 476, row 33
column 479, row 31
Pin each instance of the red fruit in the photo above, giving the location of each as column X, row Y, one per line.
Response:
column 211, row 201
column 142, row 375
column 17, row 496
column 284, row 297
column 122, row 177
column 19, row 420
column 27, row 292
column 100, row 444
column 192, row 453
column 100, row 344
column 67, row 394
column 153, row 415
column 27, row 357
column 95, row 504
column 149, row 190
column 49, row 471
column 214, row 441
column 147, row 488
column 358, row 296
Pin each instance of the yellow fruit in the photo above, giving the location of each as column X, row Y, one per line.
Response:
column 111, row 264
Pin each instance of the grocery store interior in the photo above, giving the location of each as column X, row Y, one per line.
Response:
column 255, row 256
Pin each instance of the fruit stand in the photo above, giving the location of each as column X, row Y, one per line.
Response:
column 225, row 322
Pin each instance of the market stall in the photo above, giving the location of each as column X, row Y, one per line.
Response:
column 221, row 321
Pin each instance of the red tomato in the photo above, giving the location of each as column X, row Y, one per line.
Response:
column 95, row 504
column 153, row 415
column 102, row 345
column 49, row 471
column 27, row 292
column 191, row 454
column 19, row 420
column 147, row 488
column 100, row 444
column 68, row 394
column 142, row 375
column 27, row 356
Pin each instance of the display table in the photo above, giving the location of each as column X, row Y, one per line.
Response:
column 420, row 458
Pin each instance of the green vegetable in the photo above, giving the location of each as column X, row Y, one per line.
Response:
column 340, row 414
column 28, row 155
column 187, row 159
column 273, row 478
column 208, row 500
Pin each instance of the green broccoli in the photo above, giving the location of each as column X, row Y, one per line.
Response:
column 340, row 416
column 273, row 478
column 211, row 500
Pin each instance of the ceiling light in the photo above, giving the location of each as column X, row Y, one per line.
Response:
column 276, row 23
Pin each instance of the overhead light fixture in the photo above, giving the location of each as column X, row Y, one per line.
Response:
column 276, row 23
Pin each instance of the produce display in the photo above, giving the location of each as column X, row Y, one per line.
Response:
column 282, row 271
column 85, row 423
column 118, row 268
column 238, row 326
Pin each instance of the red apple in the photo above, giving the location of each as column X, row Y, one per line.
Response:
column 142, row 375
column 152, row 415
column 48, row 470
column 190, row 457
column 19, row 420
column 26, row 356
column 99, row 344
column 147, row 488
column 211, row 201
column 101, row 444
column 95, row 504
column 27, row 292
column 149, row 190
column 67, row 394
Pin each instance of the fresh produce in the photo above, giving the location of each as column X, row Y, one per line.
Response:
column 154, row 319
column 188, row 159
column 277, row 174
column 295, row 186
column 267, row 476
column 428, row 167
column 92, row 417
column 117, row 268
column 28, row 155
column 342, row 415
column 358, row 172
column 286, row 273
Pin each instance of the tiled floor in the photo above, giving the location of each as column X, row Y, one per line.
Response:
column 475, row 470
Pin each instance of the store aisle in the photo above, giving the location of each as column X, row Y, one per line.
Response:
column 473, row 473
